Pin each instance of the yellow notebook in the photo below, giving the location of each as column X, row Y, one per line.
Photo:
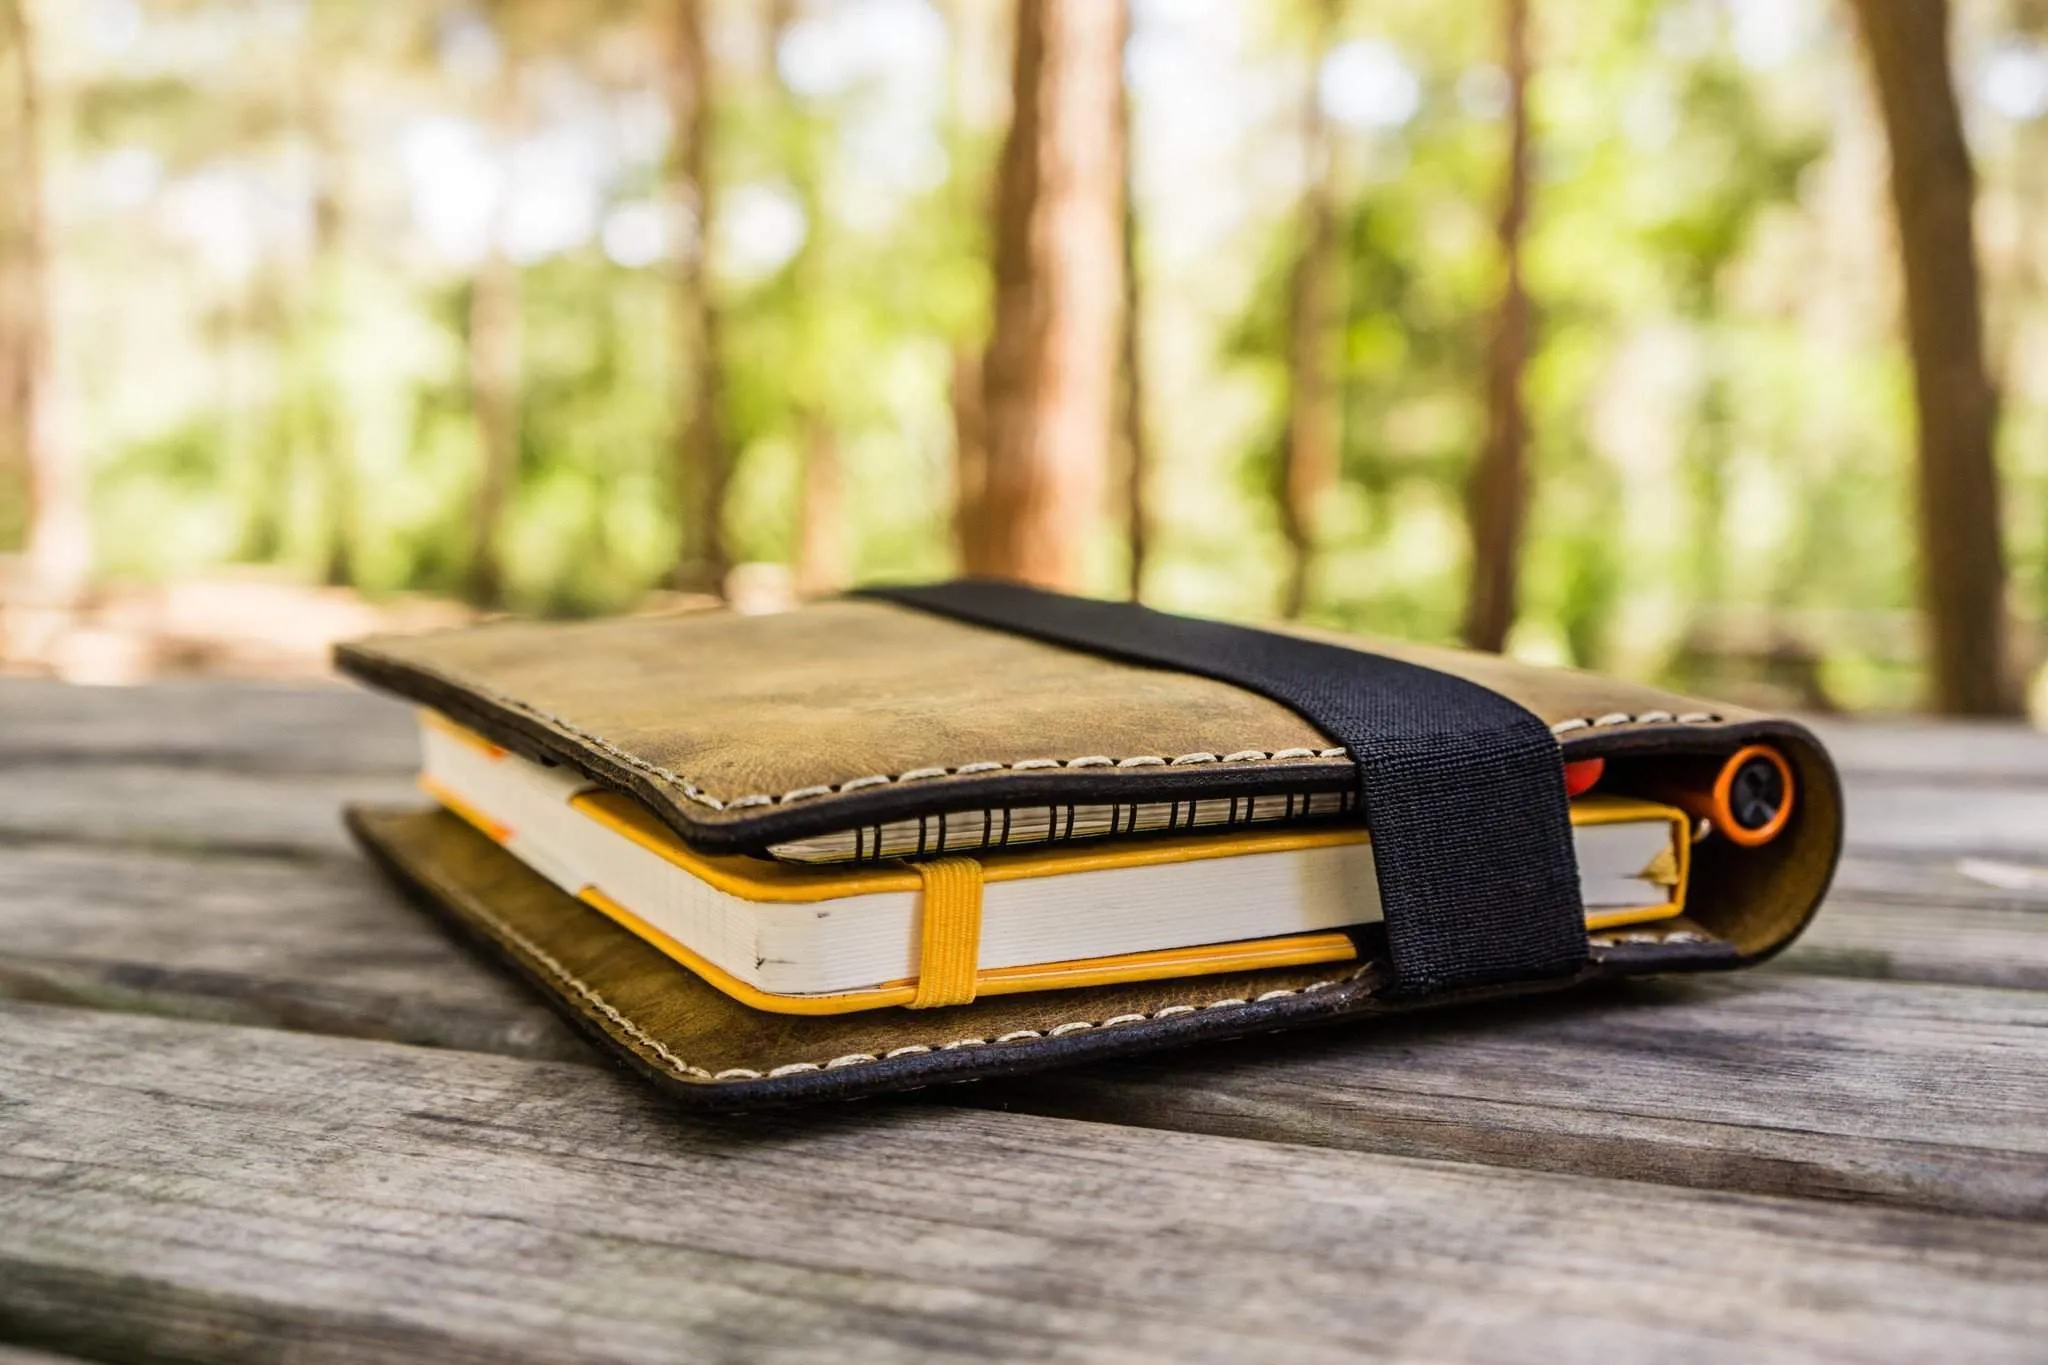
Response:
column 827, row 938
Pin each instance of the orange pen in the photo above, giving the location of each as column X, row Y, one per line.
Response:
column 1747, row 797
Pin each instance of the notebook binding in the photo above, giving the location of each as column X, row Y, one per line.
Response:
column 986, row 831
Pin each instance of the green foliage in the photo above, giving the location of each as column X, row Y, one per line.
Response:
column 1720, row 411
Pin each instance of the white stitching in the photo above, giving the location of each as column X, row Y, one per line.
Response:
column 1623, row 718
column 1613, row 940
column 589, row 993
column 1101, row 760
column 692, row 792
column 680, row 1067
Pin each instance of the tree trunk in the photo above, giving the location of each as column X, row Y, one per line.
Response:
column 494, row 364
column 58, row 556
column 2027, row 287
column 1497, row 497
column 821, row 539
column 970, row 448
column 964, row 381
column 1962, row 562
column 14, row 492
column 1310, row 449
column 327, row 428
column 703, row 465
column 1137, row 444
column 821, row 526
column 1048, row 375
column 265, row 441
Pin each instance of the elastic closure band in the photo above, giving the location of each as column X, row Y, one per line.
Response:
column 1462, row 787
column 949, row 955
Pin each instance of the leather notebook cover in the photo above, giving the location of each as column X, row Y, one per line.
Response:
column 743, row 732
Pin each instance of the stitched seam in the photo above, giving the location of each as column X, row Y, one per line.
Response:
column 678, row 1066
column 588, row 992
column 1618, row 938
column 1024, row 1035
column 1565, row 727
column 691, row 791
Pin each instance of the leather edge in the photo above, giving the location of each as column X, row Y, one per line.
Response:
column 1357, row 998
column 1818, row 774
column 750, row 830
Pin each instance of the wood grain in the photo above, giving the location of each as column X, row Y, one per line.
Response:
column 1947, row 820
column 1923, row 1096
column 329, row 946
column 325, row 948
column 1979, row 751
column 14, row 1355
column 217, row 810
column 1917, row 830
column 250, row 767
column 201, row 1192
column 252, row 727
column 1630, row 1083
column 1914, row 941
column 1940, row 882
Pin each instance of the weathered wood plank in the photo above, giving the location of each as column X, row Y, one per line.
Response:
column 1907, row 941
column 15, row 1355
column 275, row 939
column 1631, row 1084
column 1980, row 751
column 188, row 808
column 324, row 947
column 1935, row 882
column 255, row 727
column 110, row 763
column 186, row 1192
column 1912, row 830
column 330, row 947
column 1922, row 1096
column 1949, row 821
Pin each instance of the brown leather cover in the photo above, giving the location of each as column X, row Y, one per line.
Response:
column 742, row 731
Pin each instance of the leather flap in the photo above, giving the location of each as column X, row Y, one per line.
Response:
column 711, row 1052
column 740, row 731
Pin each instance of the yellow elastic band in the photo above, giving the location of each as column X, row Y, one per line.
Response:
column 950, row 954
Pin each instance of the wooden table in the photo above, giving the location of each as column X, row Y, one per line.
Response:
column 252, row 1106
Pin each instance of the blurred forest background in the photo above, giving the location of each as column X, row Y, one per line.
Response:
column 1705, row 341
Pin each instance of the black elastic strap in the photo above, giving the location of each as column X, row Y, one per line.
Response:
column 1462, row 788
